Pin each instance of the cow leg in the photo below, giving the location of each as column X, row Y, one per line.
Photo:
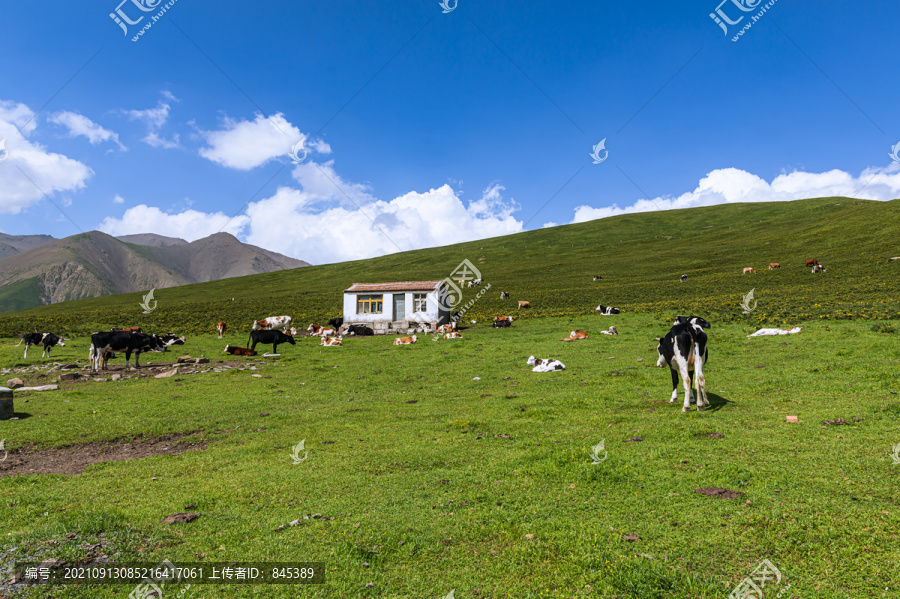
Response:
column 137, row 357
column 693, row 395
column 274, row 348
column 26, row 350
column 128, row 358
column 702, row 399
column 685, row 379
column 674, row 385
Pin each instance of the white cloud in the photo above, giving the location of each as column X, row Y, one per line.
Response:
column 245, row 145
column 78, row 124
column 118, row 199
column 155, row 119
column 188, row 224
column 285, row 223
column 730, row 185
column 44, row 171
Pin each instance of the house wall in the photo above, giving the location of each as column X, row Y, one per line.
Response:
column 433, row 315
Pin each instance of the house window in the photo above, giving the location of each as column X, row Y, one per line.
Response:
column 420, row 302
column 369, row 304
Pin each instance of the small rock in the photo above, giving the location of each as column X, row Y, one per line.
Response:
column 180, row 518
column 256, row 376
column 69, row 376
column 477, row 378
column 15, row 383
column 167, row 374
column 116, row 377
column 792, row 419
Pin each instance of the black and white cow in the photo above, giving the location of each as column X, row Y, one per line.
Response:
column 598, row 278
column 104, row 344
column 504, row 295
column 475, row 283
column 336, row 323
column 48, row 340
column 607, row 310
column 683, row 278
column 267, row 337
column 359, row 330
column 685, row 351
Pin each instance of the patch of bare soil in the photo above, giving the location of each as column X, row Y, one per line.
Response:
column 712, row 436
column 719, row 492
column 73, row 459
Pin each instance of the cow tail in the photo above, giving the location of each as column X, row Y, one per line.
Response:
column 248, row 339
column 20, row 341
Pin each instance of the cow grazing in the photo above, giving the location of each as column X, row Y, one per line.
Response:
column 524, row 305
column 504, row 295
column 48, row 340
column 126, row 330
column 607, row 310
column 330, row 341
column 502, row 321
column 611, row 331
column 336, row 323
column 598, row 278
column 239, row 351
column 810, row 263
column 103, row 345
column 683, row 278
column 545, row 365
column 220, row 329
column 318, row 331
column 405, row 340
column 685, row 351
column 358, row 330
column 818, row 268
column 447, row 328
column 266, row 337
column 576, row 336
column 453, row 335
column 774, row 265
column 475, row 283
column 272, row 322
column 748, row 270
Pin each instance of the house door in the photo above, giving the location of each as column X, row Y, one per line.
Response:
column 399, row 306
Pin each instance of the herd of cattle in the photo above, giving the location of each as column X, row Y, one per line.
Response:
column 813, row 265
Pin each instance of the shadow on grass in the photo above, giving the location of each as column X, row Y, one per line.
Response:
column 716, row 402
column 21, row 415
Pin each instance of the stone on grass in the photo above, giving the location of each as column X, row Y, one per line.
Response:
column 166, row 374
column 15, row 383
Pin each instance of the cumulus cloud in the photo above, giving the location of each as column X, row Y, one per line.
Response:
column 118, row 199
column 78, row 124
column 245, row 145
column 188, row 224
column 155, row 119
column 285, row 223
column 44, row 171
column 730, row 185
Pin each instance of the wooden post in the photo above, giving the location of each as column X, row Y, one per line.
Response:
column 6, row 403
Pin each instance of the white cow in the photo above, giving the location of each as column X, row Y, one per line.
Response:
column 545, row 365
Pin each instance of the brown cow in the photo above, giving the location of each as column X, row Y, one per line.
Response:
column 453, row 335
column 127, row 330
column 447, row 328
column 239, row 351
column 524, row 305
column 330, row 341
column 405, row 340
column 810, row 263
column 576, row 335
column 748, row 270
column 319, row 331
column 220, row 328
column 774, row 265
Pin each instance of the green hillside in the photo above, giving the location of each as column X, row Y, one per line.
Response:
column 640, row 256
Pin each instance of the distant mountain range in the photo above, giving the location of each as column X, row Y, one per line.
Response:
column 40, row 269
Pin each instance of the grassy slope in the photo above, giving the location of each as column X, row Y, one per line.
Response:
column 417, row 473
column 552, row 269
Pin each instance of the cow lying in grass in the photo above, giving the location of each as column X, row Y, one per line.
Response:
column 545, row 365
column 502, row 321
column 684, row 350
column 447, row 328
column 405, row 340
column 452, row 335
column 330, row 341
column 607, row 310
column 576, row 336
column 318, row 331
column 239, row 351
column 611, row 331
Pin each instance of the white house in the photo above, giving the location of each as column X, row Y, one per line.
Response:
column 396, row 307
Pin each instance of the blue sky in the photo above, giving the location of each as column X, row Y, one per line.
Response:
column 421, row 128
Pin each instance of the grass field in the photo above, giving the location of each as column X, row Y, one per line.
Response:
column 428, row 480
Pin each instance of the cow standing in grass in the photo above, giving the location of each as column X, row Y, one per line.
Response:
column 48, row 340
column 221, row 328
column 267, row 337
column 684, row 350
